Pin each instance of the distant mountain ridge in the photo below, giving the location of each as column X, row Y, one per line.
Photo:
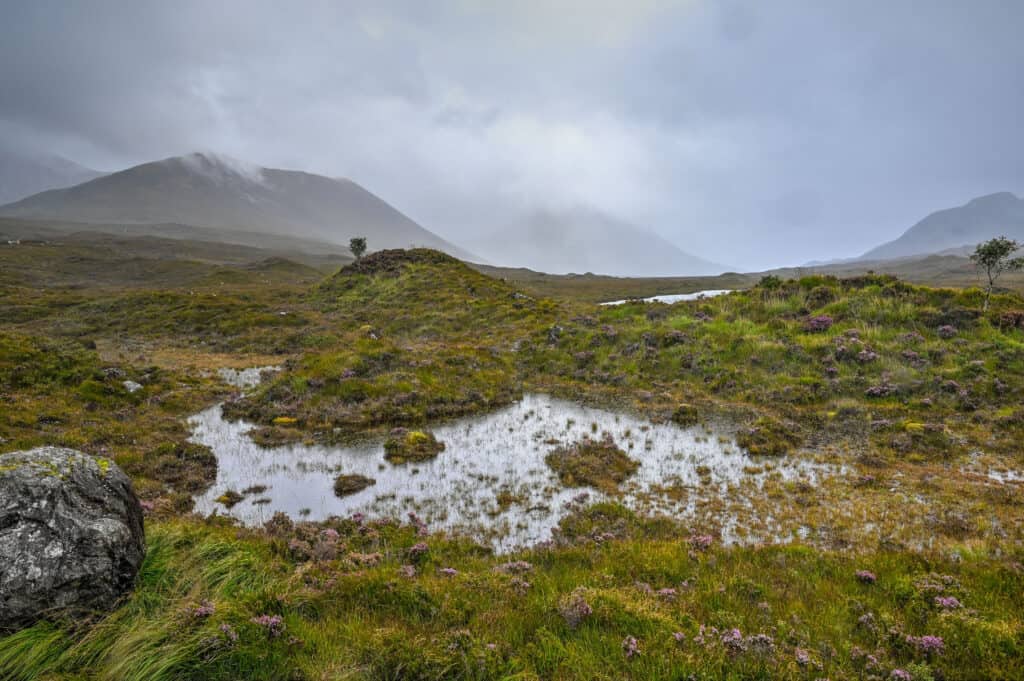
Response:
column 24, row 173
column 978, row 220
column 208, row 190
column 589, row 241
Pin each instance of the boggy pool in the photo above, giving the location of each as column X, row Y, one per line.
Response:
column 491, row 481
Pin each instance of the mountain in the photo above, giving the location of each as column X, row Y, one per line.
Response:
column 954, row 228
column 588, row 241
column 25, row 173
column 213, row 191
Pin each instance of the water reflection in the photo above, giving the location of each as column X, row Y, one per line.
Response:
column 491, row 481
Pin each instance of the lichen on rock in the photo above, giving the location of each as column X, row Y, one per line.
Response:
column 71, row 535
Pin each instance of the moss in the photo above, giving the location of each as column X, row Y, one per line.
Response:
column 413, row 445
column 230, row 498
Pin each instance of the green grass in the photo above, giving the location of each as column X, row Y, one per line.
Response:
column 350, row 616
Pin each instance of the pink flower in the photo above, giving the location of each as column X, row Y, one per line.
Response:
column 448, row 572
column 203, row 610
column 631, row 647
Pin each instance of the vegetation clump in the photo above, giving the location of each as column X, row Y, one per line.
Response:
column 346, row 484
column 592, row 462
column 685, row 415
column 411, row 445
column 768, row 437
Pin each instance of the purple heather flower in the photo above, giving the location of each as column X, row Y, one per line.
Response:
column 900, row 675
column 407, row 571
column 733, row 641
column 631, row 647
column 947, row 331
column 701, row 542
column 204, row 609
column 228, row 632
column 272, row 623
column 574, row 608
column 516, row 567
column 418, row 550
column 421, row 527
column 667, row 594
column 358, row 518
column 947, row 602
column 803, row 658
column 865, row 356
column 928, row 645
column 866, row 576
column 679, row 636
column 348, row 373
column 448, row 572
column 330, row 534
column 819, row 323
column 762, row 644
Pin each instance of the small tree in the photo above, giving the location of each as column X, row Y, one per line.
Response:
column 993, row 257
column 357, row 245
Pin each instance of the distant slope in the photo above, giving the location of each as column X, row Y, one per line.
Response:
column 976, row 221
column 211, row 191
column 23, row 174
column 588, row 241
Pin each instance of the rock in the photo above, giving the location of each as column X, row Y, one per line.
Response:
column 132, row 386
column 71, row 535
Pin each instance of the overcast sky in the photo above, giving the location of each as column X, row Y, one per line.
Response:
column 752, row 133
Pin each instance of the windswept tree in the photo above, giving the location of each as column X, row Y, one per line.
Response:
column 357, row 245
column 995, row 257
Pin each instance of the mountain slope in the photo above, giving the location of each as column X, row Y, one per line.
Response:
column 588, row 241
column 23, row 174
column 212, row 191
column 976, row 221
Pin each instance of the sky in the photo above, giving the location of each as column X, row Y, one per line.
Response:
column 750, row 133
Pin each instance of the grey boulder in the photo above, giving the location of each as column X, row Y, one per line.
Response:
column 71, row 535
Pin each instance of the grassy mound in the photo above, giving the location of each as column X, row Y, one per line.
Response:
column 350, row 484
column 596, row 463
column 412, row 445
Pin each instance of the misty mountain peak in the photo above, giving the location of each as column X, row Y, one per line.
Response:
column 996, row 199
column 219, row 167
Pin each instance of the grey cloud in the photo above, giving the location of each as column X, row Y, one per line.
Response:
column 746, row 132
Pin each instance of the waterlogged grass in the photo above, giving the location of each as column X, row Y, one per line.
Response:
column 375, row 601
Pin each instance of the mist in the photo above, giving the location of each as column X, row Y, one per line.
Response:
column 749, row 134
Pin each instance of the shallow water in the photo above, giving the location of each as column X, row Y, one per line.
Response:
column 485, row 455
column 673, row 297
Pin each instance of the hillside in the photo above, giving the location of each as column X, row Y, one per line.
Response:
column 211, row 191
column 588, row 241
column 967, row 225
column 23, row 174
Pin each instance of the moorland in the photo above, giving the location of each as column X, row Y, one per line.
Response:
column 905, row 562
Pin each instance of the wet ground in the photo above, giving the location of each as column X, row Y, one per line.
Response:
column 491, row 481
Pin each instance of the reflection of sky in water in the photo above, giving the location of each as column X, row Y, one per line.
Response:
column 485, row 455
column 670, row 298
